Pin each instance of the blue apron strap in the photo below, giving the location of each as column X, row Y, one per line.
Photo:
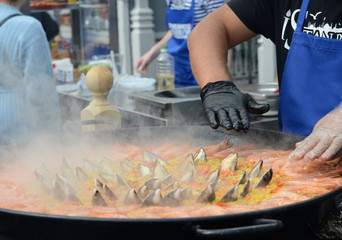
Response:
column 302, row 15
column 177, row 45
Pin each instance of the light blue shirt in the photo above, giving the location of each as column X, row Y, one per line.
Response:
column 29, row 102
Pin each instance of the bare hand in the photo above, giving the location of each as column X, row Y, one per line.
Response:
column 143, row 63
column 325, row 141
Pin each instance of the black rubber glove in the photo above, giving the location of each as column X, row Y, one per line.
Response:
column 225, row 106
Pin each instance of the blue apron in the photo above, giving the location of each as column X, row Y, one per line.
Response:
column 180, row 22
column 312, row 84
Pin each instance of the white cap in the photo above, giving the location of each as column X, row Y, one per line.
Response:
column 64, row 12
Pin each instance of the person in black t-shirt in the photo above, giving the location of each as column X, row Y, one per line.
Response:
column 277, row 21
column 50, row 26
column 308, row 39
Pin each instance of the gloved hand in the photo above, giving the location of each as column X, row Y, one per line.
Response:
column 325, row 141
column 225, row 106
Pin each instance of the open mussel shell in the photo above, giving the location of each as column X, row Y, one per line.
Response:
column 153, row 199
column 104, row 189
column 247, row 188
column 62, row 190
column 109, row 193
column 173, row 199
column 161, row 161
column 61, row 179
column 98, row 200
column 58, row 191
column 46, row 184
column 144, row 170
column 43, row 172
column 89, row 165
column 45, row 178
column 73, row 198
column 132, row 197
column 168, row 180
column 189, row 171
column 107, row 178
column 216, row 185
column 106, row 166
column 190, row 167
column 81, row 175
column 214, row 176
column 98, row 183
column 200, row 156
column 159, row 171
column 207, row 195
column 70, row 192
column 64, row 183
column 111, row 178
column 187, row 193
column 143, row 192
column 149, row 156
column 127, row 165
column 153, row 184
column 231, row 195
column 66, row 165
column 243, row 178
column 254, row 173
column 265, row 179
column 120, row 181
column 174, row 185
column 189, row 159
column 67, row 169
column 188, row 176
column 230, row 162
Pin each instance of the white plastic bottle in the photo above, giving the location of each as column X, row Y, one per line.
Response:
column 165, row 72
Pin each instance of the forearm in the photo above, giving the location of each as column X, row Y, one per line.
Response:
column 208, row 47
column 209, row 42
column 155, row 50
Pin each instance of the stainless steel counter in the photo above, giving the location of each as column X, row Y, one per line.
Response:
column 181, row 106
